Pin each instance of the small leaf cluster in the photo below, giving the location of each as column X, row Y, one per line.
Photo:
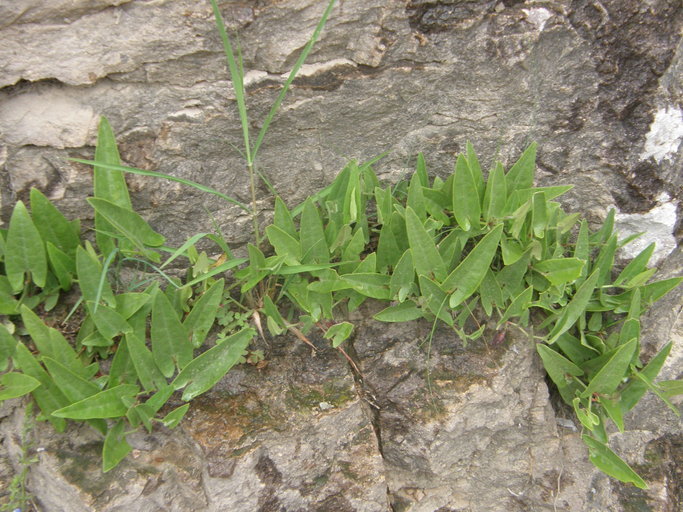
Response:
column 447, row 249
column 136, row 345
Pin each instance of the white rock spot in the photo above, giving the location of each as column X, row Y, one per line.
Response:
column 47, row 119
column 657, row 226
column 664, row 137
column 538, row 17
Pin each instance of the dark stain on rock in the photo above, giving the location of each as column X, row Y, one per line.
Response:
column 632, row 46
column 438, row 16
column 267, row 472
column 334, row 503
column 664, row 465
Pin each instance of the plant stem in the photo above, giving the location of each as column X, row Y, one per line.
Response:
column 254, row 211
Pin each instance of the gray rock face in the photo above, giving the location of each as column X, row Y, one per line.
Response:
column 596, row 83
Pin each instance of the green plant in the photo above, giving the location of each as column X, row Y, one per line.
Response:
column 457, row 250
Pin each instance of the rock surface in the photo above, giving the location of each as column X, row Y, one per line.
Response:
column 596, row 83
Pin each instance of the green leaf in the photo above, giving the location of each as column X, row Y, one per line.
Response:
column 575, row 308
column 284, row 244
column 200, row 320
column 469, row 274
column 605, row 260
column 560, row 271
column 173, row 418
column 475, row 169
column 312, row 237
column 521, row 174
column 109, row 322
column 108, row 184
column 122, row 369
column 610, row 463
column 560, row 370
column 436, row 299
column 91, row 280
column 416, row 199
column 52, row 225
column 496, row 194
column 72, row 385
column 128, row 223
column 24, row 250
column 170, row 342
column 49, row 341
column 404, row 312
column 421, row 170
column 518, row 306
column 127, row 304
column 607, row 380
column 636, row 266
column 47, row 395
column 539, row 214
column 14, row 385
column 143, row 360
column 671, row 387
column 205, row 370
column 8, row 345
column 636, row 388
column 339, row 333
column 613, row 410
column 105, row 404
column 115, row 447
column 369, row 284
column 63, row 266
column 403, row 277
column 606, row 231
column 425, row 255
column 283, row 219
column 466, row 207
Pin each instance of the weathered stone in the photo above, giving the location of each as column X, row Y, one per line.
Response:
column 596, row 84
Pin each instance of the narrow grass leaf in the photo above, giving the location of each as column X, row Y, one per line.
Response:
column 180, row 251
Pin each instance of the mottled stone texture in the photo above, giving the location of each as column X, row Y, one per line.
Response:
column 597, row 83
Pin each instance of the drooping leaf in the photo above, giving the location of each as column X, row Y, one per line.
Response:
column 115, row 448
column 204, row 371
column 24, row 250
column 610, row 463
column 129, row 224
column 560, row 370
column 173, row 418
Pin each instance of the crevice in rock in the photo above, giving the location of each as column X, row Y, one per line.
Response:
column 371, row 407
